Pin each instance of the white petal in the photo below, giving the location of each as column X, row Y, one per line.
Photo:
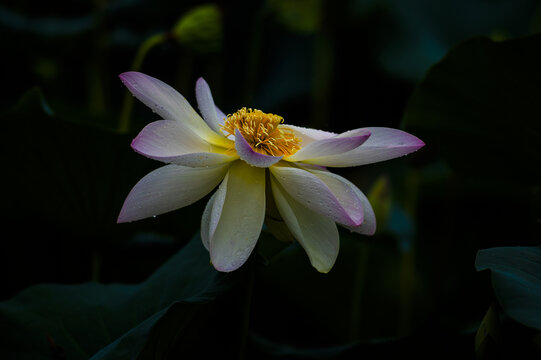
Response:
column 316, row 233
column 205, row 222
column 241, row 217
column 203, row 159
column 351, row 198
column 169, row 188
column 206, row 105
column 166, row 138
column 211, row 215
column 308, row 135
column 174, row 142
column 313, row 193
column 383, row 144
column 221, row 116
column 169, row 104
column 331, row 146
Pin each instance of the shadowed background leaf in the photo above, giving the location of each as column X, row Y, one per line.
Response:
column 516, row 277
column 82, row 319
column 479, row 106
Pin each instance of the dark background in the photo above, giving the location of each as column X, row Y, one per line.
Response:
column 410, row 289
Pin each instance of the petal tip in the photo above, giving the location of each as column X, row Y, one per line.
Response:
column 121, row 219
column 370, row 231
column 137, row 145
column 200, row 81
column 125, row 76
column 223, row 266
column 416, row 142
column 126, row 216
column 413, row 141
column 414, row 146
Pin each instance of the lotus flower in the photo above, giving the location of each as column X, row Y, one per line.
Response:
column 255, row 160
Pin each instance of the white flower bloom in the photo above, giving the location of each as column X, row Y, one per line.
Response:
column 243, row 153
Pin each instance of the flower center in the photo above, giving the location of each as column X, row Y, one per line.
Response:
column 263, row 132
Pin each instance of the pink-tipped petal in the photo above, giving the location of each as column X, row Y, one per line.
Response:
column 168, row 103
column 174, row 142
column 240, row 217
column 206, row 105
column 331, row 146
column 246, row 153
column 160, row 97
column 351, row 198
column 313, row 193
column 368, row 227
column 167, row 138
column 316, row 233
column 169, row 188
column 383, row 144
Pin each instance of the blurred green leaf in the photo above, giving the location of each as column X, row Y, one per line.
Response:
column 303, row 16
column 479, row 107
column 200, row 28
column 516, row 279
column 116, row 318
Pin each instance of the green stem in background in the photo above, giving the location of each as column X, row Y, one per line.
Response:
column 146, row 46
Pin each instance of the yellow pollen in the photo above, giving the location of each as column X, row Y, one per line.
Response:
column 263, row 132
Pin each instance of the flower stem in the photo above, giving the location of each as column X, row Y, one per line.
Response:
column 146, row 46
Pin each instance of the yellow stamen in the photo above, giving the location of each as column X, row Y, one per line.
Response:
column 263, row 132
